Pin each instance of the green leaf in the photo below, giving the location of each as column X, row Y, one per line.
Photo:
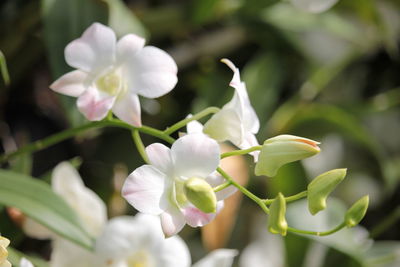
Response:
column 36, row 199
column 123, row 21
column 14, row 256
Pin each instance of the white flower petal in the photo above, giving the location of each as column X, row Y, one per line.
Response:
column 67, row 254
column 25, row 263
column 93, row 105
column 160, row 157
column 218, row 258
column 250, row 140
column 225, row 125
column 71, row 83
column 127, row 108
column 314, row 6
column 94, row 51
column 90, row 208
column 195, row 217
column 144, row 189
column 152, row 72
column 172, row 221
column 195, row 155
column 194, row 127
column 174, row 253
column 36, row 230
column 128, row 46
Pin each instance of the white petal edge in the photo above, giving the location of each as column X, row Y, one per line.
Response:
column 94, row 50
column 172, row 221
column 144, row 189
column 218, row 258
column 314, row 6
column 195, row 155
column 128, row 46
column 160, row 157
column 71, row 83
column 174, row 253
column 91, row 210
column 25, row 263
column 127, row 108
column 152, row 72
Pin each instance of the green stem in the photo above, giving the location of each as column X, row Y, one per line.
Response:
column 334, row 230
column 288, row 199
column 240, row 152
column 139, row 145
column 222, row 186
column 197, row 116
column 244, row 190
column 61, row 136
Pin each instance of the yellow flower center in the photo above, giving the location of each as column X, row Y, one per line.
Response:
column 109, row 83
column 140, row 259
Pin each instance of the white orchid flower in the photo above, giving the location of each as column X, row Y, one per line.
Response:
column 217, row 258
column 139, row 241
column 236, row 121
column 314, row 6
column 25, row 263
column 111, row 75
column 161, row 188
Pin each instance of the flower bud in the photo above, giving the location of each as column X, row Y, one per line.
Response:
column 277, row 223
column 283, row 149
column 357, row 212
column 320, row 188
column 201, row 194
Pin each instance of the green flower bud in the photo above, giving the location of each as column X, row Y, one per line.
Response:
column 320, row 188
column 283, row 149
column 201, row 194
column 277, row 223
column 357, row 212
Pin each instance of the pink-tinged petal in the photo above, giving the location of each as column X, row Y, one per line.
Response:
column 195, row 217
column 195, row 155
column 160, row 157
column 72, row 83
column 145, row 190
column 152, row 72
column 128, row 46
column 94, row 51
column 93, row 105
column 127, row 108
column 172, row 221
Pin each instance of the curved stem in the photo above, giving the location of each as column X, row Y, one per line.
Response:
column 244, row 190
column 334, row 230
column 288, row 199
column 240, row 152
column 61, row 136
column 197, row 116
column 139, row 145
column 222, row 186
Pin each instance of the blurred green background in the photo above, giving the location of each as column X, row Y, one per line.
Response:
column 333, row 77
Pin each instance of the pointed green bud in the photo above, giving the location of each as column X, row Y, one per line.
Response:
column 282, row 149
column 357, row 212
column 320, row 188
column 201, row 194
column 277, row 223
